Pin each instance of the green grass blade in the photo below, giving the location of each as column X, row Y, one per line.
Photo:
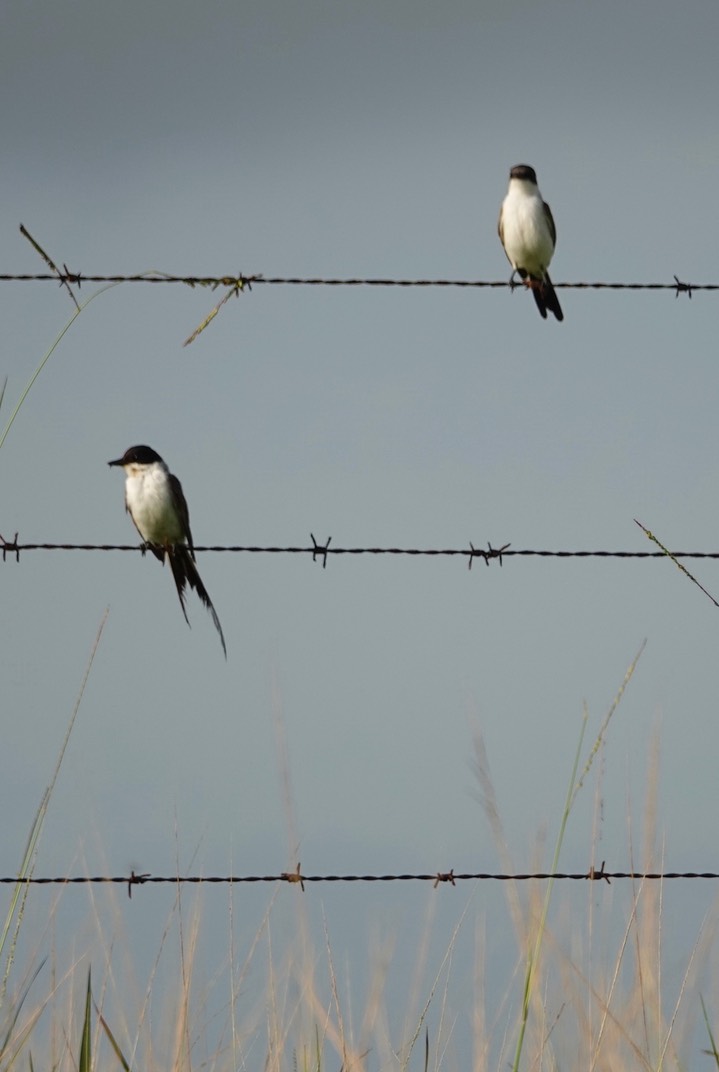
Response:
column 714, row 1053
column 111, row 1038
column 533, row 958
column 85, row 1064
column 18, row 1007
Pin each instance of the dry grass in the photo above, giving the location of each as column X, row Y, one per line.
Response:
column 586, row 986
column 601, row 999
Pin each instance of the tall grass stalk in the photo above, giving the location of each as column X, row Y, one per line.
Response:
column 31, row 382
column 27, row 865
column 572, row 791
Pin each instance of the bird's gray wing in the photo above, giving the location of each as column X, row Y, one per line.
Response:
column 550, row 222
column 182, row 510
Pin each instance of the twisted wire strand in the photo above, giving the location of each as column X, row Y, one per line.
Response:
column 437, row 878
column 320, row 551
column 246, row 282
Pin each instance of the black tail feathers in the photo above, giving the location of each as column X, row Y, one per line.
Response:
column 185, row 572
column 546, row 298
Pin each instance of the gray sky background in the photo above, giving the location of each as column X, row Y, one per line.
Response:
column 359, row 139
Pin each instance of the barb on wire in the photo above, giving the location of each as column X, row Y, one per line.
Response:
column 674, row 557
column 294, row 876
column 136, row 880
column 444, row 876
column 491, row 552
column 682, row 288
column 63, row 277
column 11, row 546
column 595, row 875
column 322, row 551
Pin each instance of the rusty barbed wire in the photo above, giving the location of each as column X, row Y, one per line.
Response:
column 243, row 282
column 298, row 878
column 319, row 552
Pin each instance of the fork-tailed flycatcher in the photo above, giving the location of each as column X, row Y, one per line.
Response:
column 155, row 502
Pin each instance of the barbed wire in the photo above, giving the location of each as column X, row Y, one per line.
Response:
column 246, row 282
column 296, row 877
column 320, row 551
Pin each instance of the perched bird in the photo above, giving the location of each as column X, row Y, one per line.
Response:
column 155, row 502
column 527, row 232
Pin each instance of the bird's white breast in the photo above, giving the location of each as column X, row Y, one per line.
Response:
column 525, row 232
column 150, row 501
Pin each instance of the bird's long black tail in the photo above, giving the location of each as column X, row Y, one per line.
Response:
column 185, row 572
column 546, row 298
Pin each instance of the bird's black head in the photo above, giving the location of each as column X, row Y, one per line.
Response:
column 139, row 455
column 523, row 171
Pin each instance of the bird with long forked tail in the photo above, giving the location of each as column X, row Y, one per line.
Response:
column 156, row 503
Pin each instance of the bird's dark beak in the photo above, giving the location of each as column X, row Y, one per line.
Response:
column 118, row 461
